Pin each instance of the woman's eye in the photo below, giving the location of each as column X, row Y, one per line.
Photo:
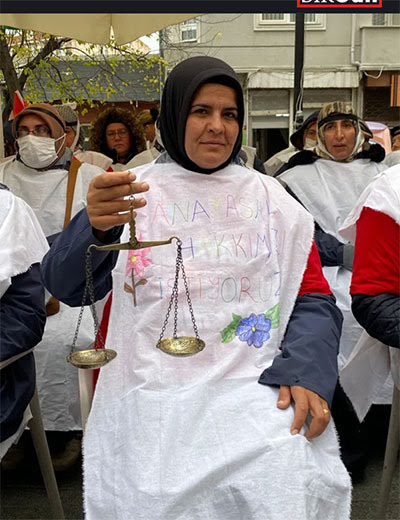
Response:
column 199, row 111
column 231, row 115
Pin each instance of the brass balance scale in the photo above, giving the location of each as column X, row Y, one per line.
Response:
column 174, row 346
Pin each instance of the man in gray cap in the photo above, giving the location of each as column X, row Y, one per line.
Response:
column 74, row 139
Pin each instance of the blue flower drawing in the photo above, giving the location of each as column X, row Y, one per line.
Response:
column 254, row 329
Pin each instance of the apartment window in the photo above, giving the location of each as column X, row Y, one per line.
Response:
column 189, row 30
column 287, row 18
column 379, row 19
column 286, row 21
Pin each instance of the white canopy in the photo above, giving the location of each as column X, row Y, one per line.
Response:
column 95, row 27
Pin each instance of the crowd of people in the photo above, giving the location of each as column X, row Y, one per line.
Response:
column 284, row 283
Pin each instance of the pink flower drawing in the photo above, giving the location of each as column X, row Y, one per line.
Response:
column 137, row 262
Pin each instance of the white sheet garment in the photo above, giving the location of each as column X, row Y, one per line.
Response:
column 22, row 245
column 330, row 190
column 57, row 380
column 372, row 363
column 22, row 240
column 198, row 438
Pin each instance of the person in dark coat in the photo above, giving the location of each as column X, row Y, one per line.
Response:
column 374, row 227
column 328, row 182
column 22, row 311
column 304, row 138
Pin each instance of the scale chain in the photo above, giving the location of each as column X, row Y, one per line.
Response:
column 88, row 289
column 174, row 296
column 89, row 283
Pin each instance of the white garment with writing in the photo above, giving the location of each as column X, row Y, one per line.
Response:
column 198, row 437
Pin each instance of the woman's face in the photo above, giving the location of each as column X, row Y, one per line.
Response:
column 340, row 138
column 311, row 132
column 118, row 138
column 396, row 143
column 212, row 125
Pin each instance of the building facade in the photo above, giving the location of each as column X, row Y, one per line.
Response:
column 349, row 57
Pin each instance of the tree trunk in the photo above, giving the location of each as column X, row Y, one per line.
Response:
column 13, row 82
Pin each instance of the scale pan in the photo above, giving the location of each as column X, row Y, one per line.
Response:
column 92, row 358
column 181, row 346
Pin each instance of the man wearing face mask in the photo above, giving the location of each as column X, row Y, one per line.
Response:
column 45, row 175
column 304, row 138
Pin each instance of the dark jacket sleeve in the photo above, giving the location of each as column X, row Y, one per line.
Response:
column 67, row 257
column 310, row 347
column 22, row 318
column 331, row 251
column 379, row 315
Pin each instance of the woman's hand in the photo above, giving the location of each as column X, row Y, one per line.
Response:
column 105, row 199
column 305, row 401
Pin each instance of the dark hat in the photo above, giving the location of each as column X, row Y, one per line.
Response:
column 297, row 138
column 394, row 131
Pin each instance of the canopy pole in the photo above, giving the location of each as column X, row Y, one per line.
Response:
column 298, row 71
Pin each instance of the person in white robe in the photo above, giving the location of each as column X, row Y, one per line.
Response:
column 198, row 437
column 22, row 313
column 118, row 134
column 39, row 174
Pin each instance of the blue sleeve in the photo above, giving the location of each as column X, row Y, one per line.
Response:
column 310, row 347
column 22, row 318
column 22, row 313
column 63, row 267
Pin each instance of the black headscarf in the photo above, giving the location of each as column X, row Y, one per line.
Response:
column 180, row 88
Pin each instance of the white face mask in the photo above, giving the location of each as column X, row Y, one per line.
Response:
column 309, row 144
column 38, row 152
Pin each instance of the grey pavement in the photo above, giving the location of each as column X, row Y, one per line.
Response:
column 23, row 495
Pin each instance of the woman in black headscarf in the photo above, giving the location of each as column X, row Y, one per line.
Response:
column 180, row 88
column 197, row 437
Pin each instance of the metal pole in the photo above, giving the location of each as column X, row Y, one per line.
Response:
column 298, row 70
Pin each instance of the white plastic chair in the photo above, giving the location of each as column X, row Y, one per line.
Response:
column 41, row 447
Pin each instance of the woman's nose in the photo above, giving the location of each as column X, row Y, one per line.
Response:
column 339, row 131
column 215, row 123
